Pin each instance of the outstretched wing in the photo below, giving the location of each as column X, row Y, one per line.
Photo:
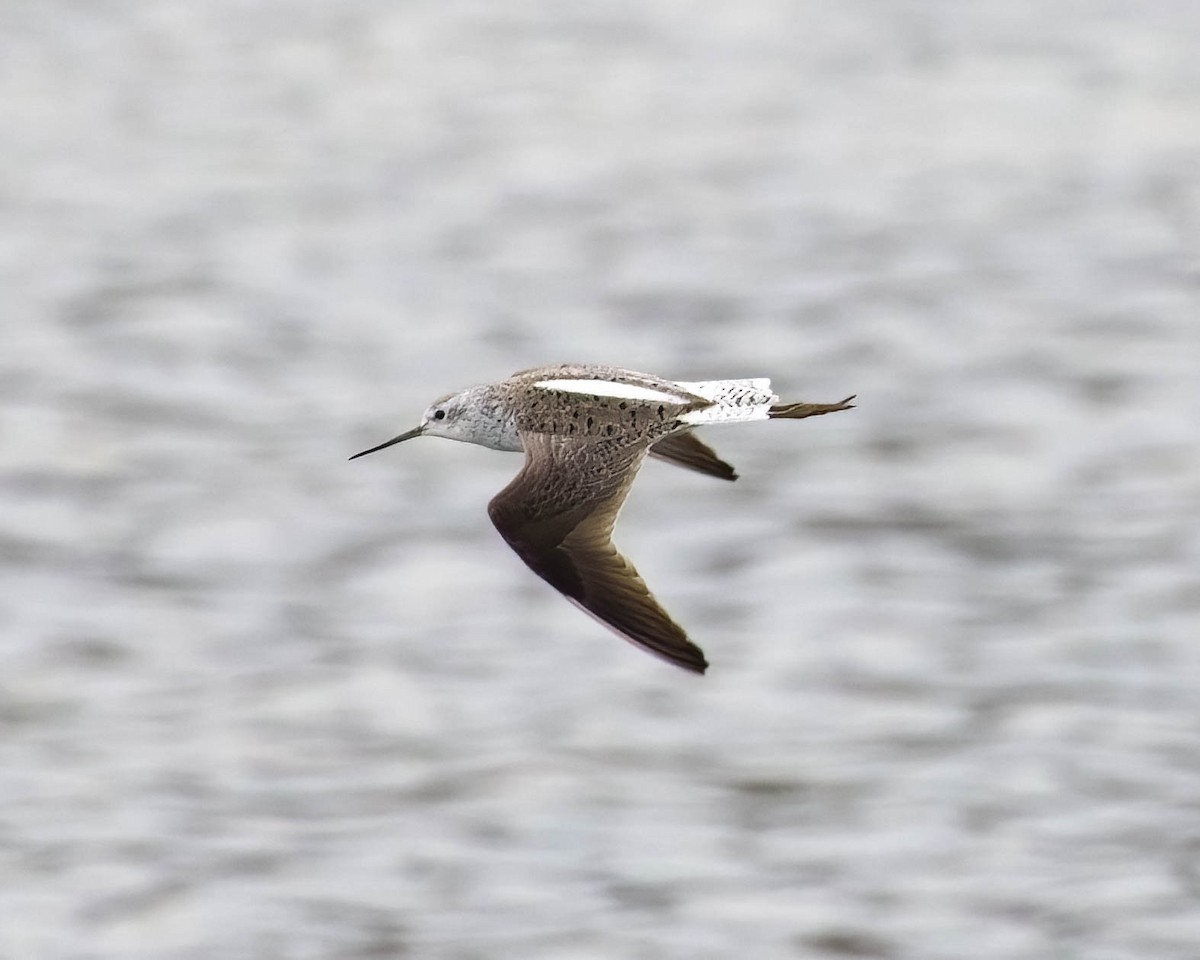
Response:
column 558, row 514
column 684, row 449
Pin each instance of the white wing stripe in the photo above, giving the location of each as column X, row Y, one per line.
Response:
column 607, row 388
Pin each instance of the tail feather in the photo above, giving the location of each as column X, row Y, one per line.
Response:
column 798, row 411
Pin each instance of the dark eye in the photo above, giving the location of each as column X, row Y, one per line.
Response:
column 439, row 414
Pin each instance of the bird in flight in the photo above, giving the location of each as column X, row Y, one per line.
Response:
column 585, row 430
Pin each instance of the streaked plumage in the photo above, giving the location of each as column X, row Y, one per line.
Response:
column 585, row 430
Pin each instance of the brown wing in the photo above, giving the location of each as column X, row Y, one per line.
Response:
column 798, row 411
column 685, row 450
column 558, row 514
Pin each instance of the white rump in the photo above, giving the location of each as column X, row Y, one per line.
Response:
column 734, row 401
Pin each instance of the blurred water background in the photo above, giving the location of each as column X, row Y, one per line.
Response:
column 257, row 702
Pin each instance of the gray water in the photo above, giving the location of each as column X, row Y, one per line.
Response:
column 259, row 702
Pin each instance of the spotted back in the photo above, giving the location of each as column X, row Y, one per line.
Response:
column 601, row 403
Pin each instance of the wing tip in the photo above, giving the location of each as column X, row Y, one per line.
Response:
column 798, row 411
column 690, row 658
column 700, row 668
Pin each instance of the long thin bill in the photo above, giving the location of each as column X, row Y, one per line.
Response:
column 414, row 432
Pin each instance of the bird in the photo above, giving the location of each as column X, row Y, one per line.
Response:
column 585, row 430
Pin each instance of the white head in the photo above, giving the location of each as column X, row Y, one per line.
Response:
column 470, row 416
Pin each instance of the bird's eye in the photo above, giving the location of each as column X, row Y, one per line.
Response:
column 439, row 414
